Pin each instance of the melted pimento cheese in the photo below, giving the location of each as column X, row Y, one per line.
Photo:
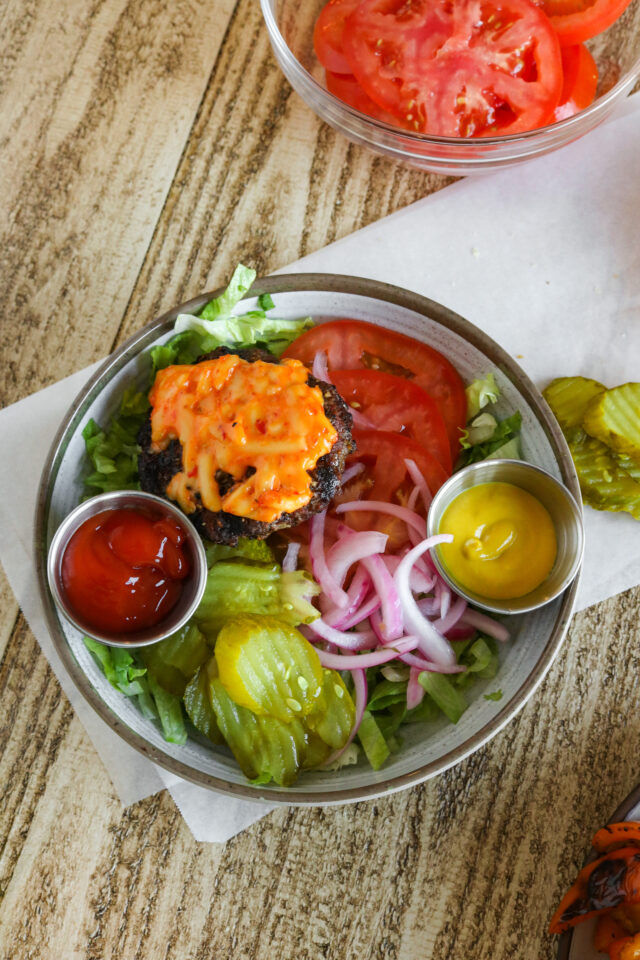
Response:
column 260, row 422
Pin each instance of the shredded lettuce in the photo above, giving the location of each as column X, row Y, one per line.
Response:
column 253, row 551
column 480, row 393
column 496, row 695
column 240, row 283
column 348, row 757
column 443, row 691
column 217, row 326
column 503, row 442
column 119, row 666
column 508, row 451
column 479, row 430
column 372, row 741
column 113, row 453
column 236, row 588
column 170, row 713
column 124, row 671
column 480, row 657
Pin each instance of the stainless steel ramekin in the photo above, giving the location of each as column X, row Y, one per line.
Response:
column 565, row 512
column 194, row 583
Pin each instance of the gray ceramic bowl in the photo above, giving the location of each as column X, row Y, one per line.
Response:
column 193, row 585
column 427, row 750
column 554, row 496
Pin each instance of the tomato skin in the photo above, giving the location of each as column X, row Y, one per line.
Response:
column 346, row 88
column 386, row 478
column 575, row 22
column 328, row 32
column 457, row 68
column 390, row 450
column 396, row 404
column 356, row 344
column 580, row 81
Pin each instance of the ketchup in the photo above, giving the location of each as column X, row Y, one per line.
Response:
column 122, row 570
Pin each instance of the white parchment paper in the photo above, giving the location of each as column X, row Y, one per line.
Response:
column 544, row 257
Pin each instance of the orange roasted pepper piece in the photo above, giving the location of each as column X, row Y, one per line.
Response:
column 608, row 931
column 625, row 949
column 617, row 835
column 606, row 883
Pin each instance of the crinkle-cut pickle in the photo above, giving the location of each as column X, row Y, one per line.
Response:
column 614, row 419
column 263, row 746
column 197, row 702
column 335, row 713
column 608, row 481
column 605, row 485
column 568, row 397
column 268, row 667
column 174, row 661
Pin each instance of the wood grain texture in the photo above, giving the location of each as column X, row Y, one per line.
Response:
column 90, row 142
column 155, row 145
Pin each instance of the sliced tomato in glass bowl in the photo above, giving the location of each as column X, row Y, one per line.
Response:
column 457, row 68
column 328, row 32
column 396, row 404
column 578, row 20
column 580, row 81
column 386, row 478
column 356, row 344
column 346, row 88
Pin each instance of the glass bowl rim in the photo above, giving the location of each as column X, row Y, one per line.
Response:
column 567, row 125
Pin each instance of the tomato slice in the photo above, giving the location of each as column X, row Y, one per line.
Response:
column 457, row 68
column 398, row 404
column 354, row 344
column 577, row 20
column 327, row 35
column 386, row 478
column 346, row 88
column 580, row 81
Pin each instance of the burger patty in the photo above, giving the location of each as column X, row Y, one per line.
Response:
column 157, row 469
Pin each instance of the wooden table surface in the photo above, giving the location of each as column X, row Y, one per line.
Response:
column 146, row 148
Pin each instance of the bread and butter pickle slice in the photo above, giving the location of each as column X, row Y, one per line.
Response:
column 197, row 702
column 264, row 747
column 605, row 485
column 268, row 667
column 569, row 397
column 174, row 661
column 632, row 467
column 335, row 714
column 318, row 751
column 614, row 419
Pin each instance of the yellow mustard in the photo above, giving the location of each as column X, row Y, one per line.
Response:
column 504, row 541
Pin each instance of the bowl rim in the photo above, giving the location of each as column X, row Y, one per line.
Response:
column 619, row 814
column 296, row 283
column 597, row 106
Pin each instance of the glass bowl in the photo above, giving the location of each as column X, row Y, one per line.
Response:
column 616, row 52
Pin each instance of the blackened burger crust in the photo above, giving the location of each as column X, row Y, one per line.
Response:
column 157, row 469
